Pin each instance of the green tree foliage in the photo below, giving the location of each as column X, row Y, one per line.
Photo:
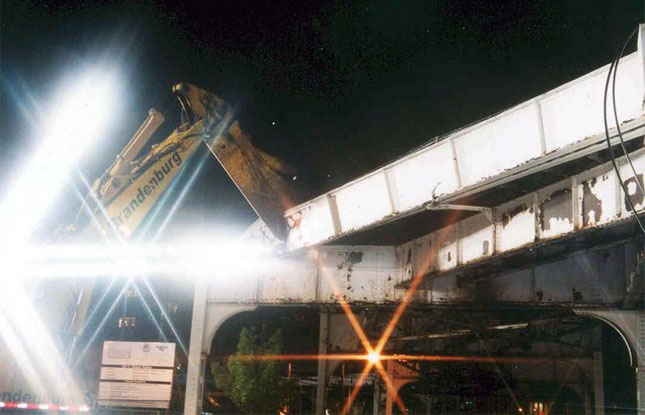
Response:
column 255, row 387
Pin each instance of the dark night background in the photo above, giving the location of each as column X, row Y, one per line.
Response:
column 335, row 88
column 349, row 85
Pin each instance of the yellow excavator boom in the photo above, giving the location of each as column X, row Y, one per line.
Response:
column 128, row 190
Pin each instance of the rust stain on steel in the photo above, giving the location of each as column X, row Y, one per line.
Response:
column 351, row 258
column 558, row 207
column 510, row 214
column 591, row 204
column 294, row 221
column 355, row 257
column 633, row 192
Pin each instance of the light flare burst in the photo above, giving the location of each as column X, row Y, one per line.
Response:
column 374, row 357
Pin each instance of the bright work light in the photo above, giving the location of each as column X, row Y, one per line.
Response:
column 78, row 116
column 373, row 357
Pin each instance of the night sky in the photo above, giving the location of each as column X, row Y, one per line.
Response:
column 335, row 88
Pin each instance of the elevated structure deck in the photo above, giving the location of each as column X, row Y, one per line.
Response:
column 537, row 142
column 523, row 209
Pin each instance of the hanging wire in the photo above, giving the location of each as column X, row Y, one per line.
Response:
column 613, row 95
column 613, row 67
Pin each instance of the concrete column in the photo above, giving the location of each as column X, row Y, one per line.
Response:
column 196, row 359
column 321, row 387
column 207, row 318
column 598, row 382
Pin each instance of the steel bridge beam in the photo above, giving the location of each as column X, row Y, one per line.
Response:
column 560, row 126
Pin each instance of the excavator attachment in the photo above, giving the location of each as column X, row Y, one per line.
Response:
column 123, row 197
column 263, row 179
column 130, row 187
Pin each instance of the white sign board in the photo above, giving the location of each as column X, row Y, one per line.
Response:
column 135, row 404
column 138, row 354
column 135, row 391
column 136, row 374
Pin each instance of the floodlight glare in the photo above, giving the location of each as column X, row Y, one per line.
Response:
column 76, row 120
column 224, row 258
column 373, row 357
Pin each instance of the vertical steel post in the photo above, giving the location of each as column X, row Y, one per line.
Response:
column 377, row 397
column 598, row 381
column 640, row 390
column 196, row 359
column 321, row 387
column 389, row 398
column 641, row 54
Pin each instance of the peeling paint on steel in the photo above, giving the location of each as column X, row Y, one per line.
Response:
column 633, row 191
column 555, row 214
column 517, row 227
column 591, row 204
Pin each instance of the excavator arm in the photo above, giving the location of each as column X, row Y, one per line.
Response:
column 124, row 195
column 263, row 179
